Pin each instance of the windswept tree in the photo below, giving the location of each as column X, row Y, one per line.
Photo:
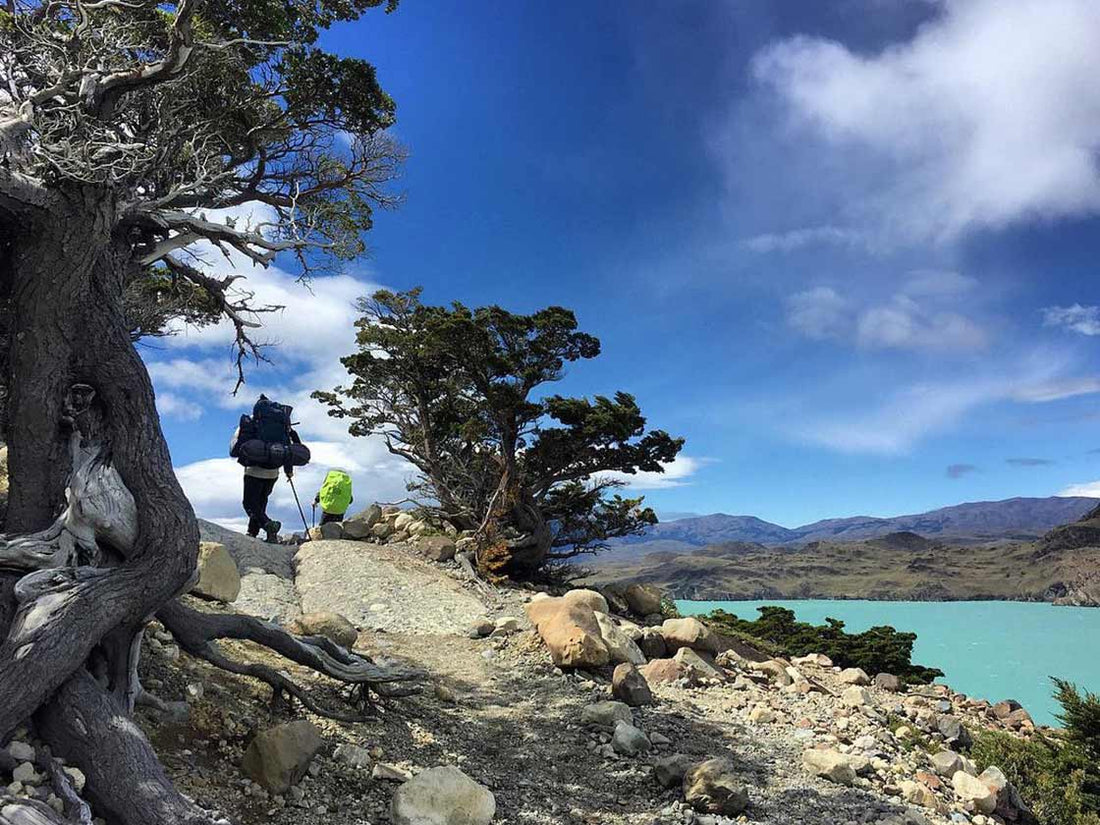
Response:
column 134, row 135
column 459, row 393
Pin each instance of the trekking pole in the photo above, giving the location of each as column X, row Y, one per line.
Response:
column 313, row 513
column 301, row 512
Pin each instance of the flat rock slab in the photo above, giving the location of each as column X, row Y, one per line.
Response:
column 267, row 574
column 383, row 588
column 249, row 553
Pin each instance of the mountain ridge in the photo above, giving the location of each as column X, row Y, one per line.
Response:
column 1018, row 517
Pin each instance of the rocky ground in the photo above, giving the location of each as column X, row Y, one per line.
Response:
column 497, row 707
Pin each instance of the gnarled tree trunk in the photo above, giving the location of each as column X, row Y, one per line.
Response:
column 81, row 408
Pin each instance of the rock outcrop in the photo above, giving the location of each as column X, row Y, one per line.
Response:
column 219, row 578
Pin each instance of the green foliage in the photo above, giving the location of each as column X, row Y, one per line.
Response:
column 878, row 650
column 456, row 391
column 1059, row 776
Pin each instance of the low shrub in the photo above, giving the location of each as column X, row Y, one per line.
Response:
column 878, row 650
column 1057, row 776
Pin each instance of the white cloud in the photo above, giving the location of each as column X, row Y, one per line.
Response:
column 1082, row 319
column 1088, row 489
column 798, row 238
column 678, row 473
column 1055, row 389
column 902, row 322
column 170, row 405
column 937, row 282
column 988, row 116
column 905, row 324
column 819, row 313
column 893, row 423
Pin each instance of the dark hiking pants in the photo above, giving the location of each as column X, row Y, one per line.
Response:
column 256, row 493
column 327, row 517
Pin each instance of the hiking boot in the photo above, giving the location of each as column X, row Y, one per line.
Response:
column 272, row 529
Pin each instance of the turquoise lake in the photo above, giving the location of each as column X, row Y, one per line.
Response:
column 995, row 650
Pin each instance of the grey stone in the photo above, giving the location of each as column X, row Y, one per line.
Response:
column 669, row 771
column 278, row 757
column 630, row 687
column 714, row 787
column 442, row 796
column 629, row 740
column 606, row 715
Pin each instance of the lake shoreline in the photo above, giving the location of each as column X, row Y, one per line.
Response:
column 969, row 640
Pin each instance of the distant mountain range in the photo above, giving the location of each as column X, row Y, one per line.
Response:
column 1013, row 549
column 1013, row 518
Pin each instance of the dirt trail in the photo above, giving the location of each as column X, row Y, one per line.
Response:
column 497, row 708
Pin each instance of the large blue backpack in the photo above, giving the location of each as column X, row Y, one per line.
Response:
column 264, row 439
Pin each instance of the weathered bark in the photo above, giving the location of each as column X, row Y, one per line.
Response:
column 520, row 551
column 51, row 295
column 126, row 783
column 75, row 332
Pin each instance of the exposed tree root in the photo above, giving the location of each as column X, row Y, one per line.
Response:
column 76, row 809
column 197, row 633
column 20, row 811
column 90, row 728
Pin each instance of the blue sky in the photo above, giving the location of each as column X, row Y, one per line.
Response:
column 846, row 248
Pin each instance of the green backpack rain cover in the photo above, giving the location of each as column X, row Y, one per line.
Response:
column 336, row 492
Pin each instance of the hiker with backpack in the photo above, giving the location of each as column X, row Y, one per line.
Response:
column 265, row 443
column 334, row 496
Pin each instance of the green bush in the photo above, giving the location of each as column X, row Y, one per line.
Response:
column 1058, row 776
column 878, row 650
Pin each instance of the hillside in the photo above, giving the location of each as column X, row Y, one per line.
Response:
column 538, row 737
column 981, row 521
column 1063, row 567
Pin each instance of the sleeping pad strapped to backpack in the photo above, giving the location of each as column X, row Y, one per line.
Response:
column 265, row 438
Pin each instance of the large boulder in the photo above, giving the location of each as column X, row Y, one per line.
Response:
column 642, row 599
column 332, row 626
column 954, row 732
column 570, row 631
column 278, row 757
column 856, row 697
column 368, row 516
column 888, row 682
column 219, row 578
column 620, row 647
column 665, row 670
column 829, row 764
column 713, row 787
column 1006, row 707
column 356, row 530
column 669, row 771
column 854, row 676
column 946, row 762
column 442, row 796
column 332, row 530
column 630, row 687
column 588, row 598
column 652, row 643
column 436, row 548
column 975, row 791
column 606, row 715
column 402, row 521
column 629, row 740
column 688, row 632
column 700, row 665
